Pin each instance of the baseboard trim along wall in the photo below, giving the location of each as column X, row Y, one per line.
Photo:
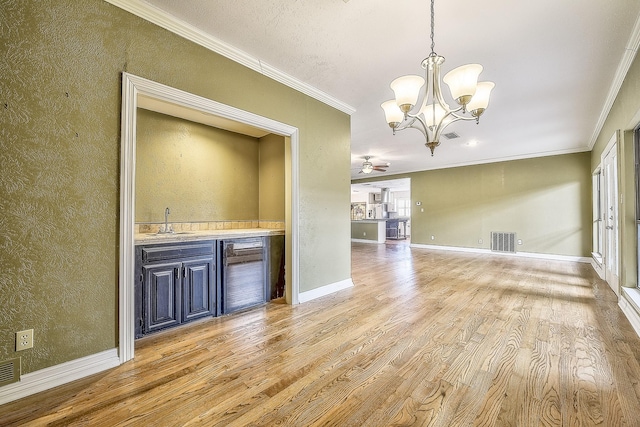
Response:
column 517, row 254
column 629, row 303
column 324, row 290
column 57, row 375
column 366, row 241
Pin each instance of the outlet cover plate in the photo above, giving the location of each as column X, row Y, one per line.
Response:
column 24, row 339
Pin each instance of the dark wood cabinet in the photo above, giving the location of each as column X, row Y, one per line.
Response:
column 198, row 289
column 177, row 284
column 180, row 282
column 161, row 301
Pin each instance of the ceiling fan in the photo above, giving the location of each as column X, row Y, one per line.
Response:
column 368, row 167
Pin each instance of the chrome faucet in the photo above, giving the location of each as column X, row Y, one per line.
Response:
column 167, row 227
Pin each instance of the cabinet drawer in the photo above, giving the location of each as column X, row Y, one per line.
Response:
column 160, row 253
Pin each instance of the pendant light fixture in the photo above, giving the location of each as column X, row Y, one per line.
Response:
column 433, row 113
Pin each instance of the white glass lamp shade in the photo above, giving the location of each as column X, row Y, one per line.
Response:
column 367, row 167
column 480, row 100
column 392, row 113
column 433, row 114
column 462, row 82
column 407, row 91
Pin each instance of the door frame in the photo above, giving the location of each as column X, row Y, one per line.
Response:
column 611, row 214
column 134, row 87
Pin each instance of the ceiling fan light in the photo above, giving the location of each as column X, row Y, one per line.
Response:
column 462, row 82
column 407, row 90
column 480, row 100
column 392, row 113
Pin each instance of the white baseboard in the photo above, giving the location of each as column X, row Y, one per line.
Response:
column 366, row 241
column 517, row 254
column 629, row 303
column 325, row 290
column 57, row 375
column 598, row 268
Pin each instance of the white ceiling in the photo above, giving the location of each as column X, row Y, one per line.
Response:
column 554, row 63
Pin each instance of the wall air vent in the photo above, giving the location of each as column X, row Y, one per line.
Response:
column 9, row 371
column 451, row 135
column 503, row 242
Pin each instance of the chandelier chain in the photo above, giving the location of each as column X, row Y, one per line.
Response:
column 433, row 44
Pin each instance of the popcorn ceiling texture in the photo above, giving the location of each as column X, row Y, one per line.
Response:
column 61, row 65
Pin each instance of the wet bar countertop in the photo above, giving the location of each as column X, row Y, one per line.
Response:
column 184, row 236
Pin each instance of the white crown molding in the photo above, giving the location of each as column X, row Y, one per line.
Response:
column 57, row 375
column 325, row 290
column 623, row 67
column 168, row 22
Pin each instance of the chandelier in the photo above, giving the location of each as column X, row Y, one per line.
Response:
column 434, row 114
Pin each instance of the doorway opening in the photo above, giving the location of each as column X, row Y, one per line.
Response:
column 137, row 91
column 381, row 211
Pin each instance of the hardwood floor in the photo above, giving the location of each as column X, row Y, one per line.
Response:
column 424, row 338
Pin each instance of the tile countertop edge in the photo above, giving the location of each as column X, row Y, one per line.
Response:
column 145, row 238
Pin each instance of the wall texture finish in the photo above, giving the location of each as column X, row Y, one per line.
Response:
column 59, row 154
column 546, row 201
column 202, row 173
column 272, row 179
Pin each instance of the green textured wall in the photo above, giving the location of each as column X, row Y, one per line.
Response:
column 200, row 172
column 272, row 179
column 624, row 117
column 60, row 152
column 546, row 201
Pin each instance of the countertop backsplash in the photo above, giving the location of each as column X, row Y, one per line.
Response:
column 142, row 228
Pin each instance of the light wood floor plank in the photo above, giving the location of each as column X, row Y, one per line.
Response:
column 424, row 338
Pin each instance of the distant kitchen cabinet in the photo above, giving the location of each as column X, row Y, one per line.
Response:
column 176, row 284
column 375, row 198
column 396, row 229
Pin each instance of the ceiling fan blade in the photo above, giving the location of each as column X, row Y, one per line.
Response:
column 379, row 169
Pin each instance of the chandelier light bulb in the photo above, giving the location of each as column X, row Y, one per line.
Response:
column 392, row 113
column 480, row 100
column 433, row 114
column 462, row 82
column 407, row 91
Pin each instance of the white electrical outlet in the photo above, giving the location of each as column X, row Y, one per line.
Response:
column 364, row 233
column 433, row 237
column 519, row 241
column 24, row 339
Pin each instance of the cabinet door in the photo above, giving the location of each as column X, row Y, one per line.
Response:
column 161, row 296
column 198, row 290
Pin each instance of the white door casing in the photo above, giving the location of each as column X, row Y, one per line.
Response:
column 610, row 213
column 133, row 88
